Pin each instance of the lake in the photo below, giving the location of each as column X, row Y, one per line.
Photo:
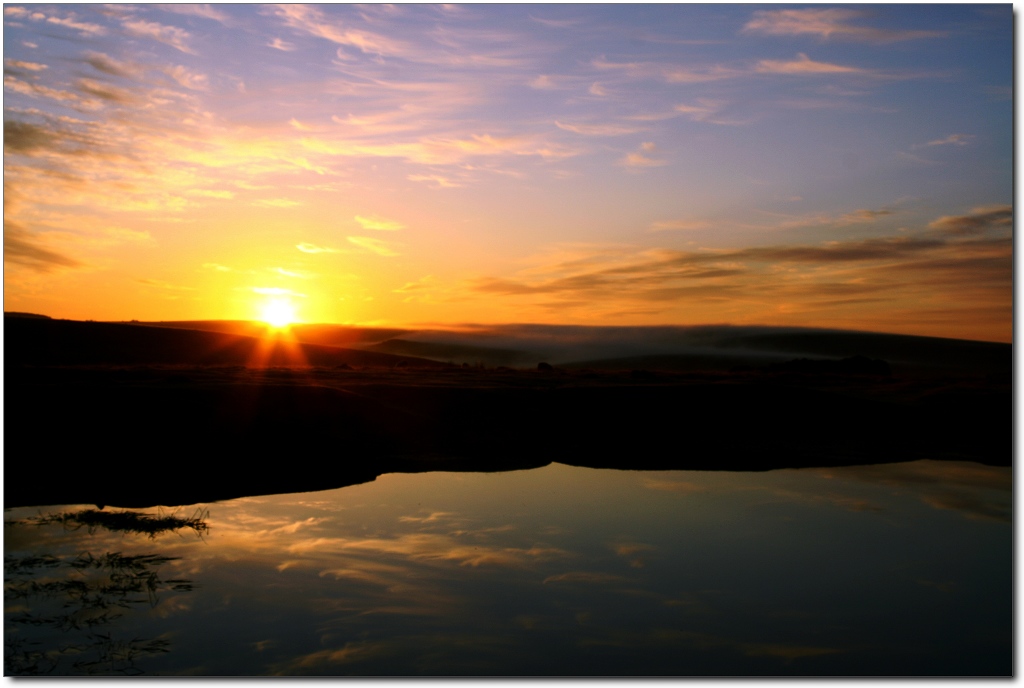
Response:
column 898, row 569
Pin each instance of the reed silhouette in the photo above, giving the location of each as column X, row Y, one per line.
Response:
column 80, row 598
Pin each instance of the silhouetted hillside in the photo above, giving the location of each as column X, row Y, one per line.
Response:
column 323, row 334
column 16, row 314
column 705, row 347
column 69, row 342
column 679, row 348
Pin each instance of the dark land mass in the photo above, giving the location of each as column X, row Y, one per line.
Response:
column 324, row 335
column 704, row 347
column 131, row 415
column 68, row 342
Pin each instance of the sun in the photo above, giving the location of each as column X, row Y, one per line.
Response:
column 278, row 313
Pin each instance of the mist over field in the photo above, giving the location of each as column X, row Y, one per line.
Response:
column 520, row 344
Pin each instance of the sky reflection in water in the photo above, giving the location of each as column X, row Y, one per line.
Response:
column 899, row 569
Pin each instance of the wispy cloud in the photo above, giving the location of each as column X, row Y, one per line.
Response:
column 682, row 486
column 424, row 290
column 188, row 78
column 203, row 11
column 435, row 180
column 956, row 265
column 284, row 46
column 598, row 129
column 306, row 247
column 34, row 90
column 804, row 65
column 168, row 35
column 977, row 491
column 103, row 91
column 978, row 221
column 557, row 23
column 22, row 66
column 310, row 19
column 108, row 65
column 854, row 217
column 951, row 140
column 22, row 248
column 699, row 75
column 444, row 150
column 708, row 110
column 677, row 225
column 548, row 82
column 49, row 16
column 436, row 547
column 827, row 23
column 378, row 223
column 863, row 215
column 373, row 245
column 640, row 159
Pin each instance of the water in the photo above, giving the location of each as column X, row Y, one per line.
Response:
column 873, row 570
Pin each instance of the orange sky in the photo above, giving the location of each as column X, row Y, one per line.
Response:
column 671, row 164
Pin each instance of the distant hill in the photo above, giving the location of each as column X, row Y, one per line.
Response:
column 696, row 348
column 671, row 348
column 324, row 334
column 69, row 342
column 16, row 314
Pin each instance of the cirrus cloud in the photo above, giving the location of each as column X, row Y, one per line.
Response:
column 827, row 23
column 378, row 223
column 373, row 245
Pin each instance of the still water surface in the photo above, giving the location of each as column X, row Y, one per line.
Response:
column 870, row 570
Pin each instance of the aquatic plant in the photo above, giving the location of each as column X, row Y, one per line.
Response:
column 134, row 522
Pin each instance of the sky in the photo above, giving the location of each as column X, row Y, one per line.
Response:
column 795, row 165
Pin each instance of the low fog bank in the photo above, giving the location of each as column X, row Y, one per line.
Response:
column 726, row 345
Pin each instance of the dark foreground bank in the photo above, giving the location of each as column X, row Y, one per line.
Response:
column 157, row 433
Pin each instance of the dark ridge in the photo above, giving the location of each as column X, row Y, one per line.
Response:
column 17, row 314
column 68, row 342
column 322, row 334
column 907, row 351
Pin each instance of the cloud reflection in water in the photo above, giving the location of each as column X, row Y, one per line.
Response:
column 565, row 570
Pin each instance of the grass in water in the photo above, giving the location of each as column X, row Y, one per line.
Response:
column 123, row 521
